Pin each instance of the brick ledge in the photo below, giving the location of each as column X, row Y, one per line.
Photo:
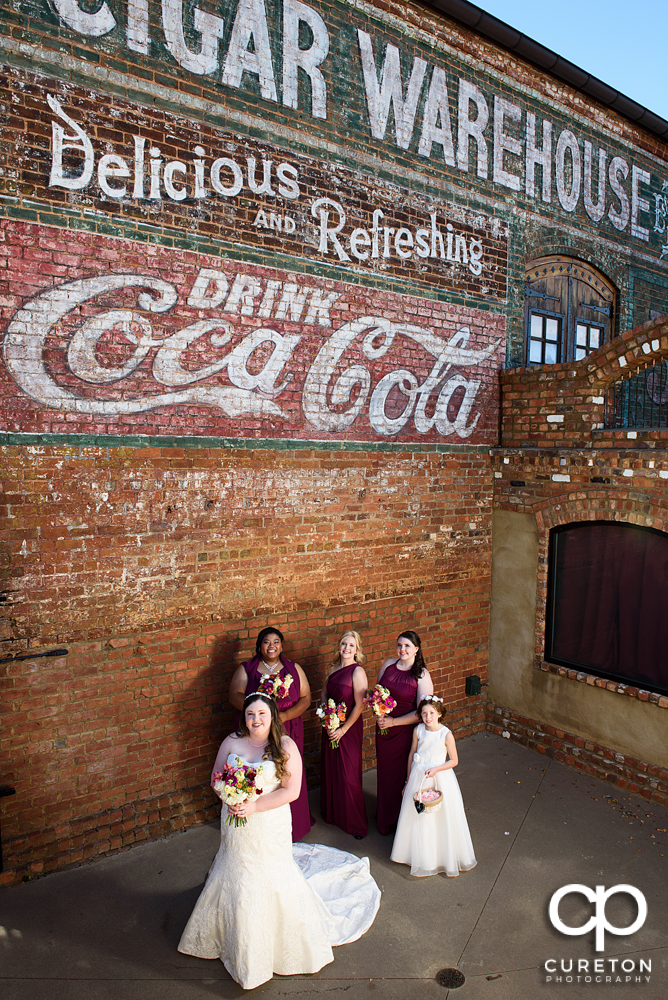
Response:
column 629, row 773
column 617, row 687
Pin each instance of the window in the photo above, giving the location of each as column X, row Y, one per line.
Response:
column 544, row 339
column 587, row 339
column 607, row 591
column 570, row 301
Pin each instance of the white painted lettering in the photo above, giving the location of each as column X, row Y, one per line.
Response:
column 568, row 180
column 422, row 248
column 154, row 169
column 288, row 176
column 171, row 168
column 228, row 191
column 538, row 157
column 504, row 143
column 139, row 143
column 265, row 187
column 319, row 306
column 309, row 59
column 619, row 217
column 112, row 167
column 292, row 300
column 437, row 109
column 390, row 91
column 244, row 291
column 136, row 30
column 268, row 298
column 594, row 209
column 94, row 25
column 638, row 203
column 250, row 23
column 199, row 299
column 210, row 27
column 200, row 189
column 61, row 141
column 328, row 233
column 472, row 128
column 264, row 380
column 403, row 243
column 167, row 367
column 357, row 237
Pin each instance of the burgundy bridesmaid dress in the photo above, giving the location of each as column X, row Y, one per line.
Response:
column 393, row 747
column 341, row 796
column 302, row 821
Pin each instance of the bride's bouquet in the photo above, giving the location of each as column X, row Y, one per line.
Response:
column 331, row 716
column 276, row 687
column 380, row 701
column 236, row 783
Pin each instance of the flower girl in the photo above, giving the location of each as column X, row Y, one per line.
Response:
column 432, row 833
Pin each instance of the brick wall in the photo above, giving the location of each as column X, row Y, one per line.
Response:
column 563, row 406
column 115, row 555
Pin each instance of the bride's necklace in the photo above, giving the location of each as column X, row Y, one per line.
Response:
column 257, row 745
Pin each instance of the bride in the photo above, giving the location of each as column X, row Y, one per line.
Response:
column 269, row 906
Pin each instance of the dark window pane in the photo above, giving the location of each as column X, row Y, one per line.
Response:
column 608, row 591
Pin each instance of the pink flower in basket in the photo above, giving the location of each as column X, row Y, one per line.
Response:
column 236, row 783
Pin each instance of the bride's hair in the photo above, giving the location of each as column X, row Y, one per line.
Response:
column 359, row 655
column 274, row 750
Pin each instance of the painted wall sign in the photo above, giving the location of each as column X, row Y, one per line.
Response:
column 390, row 88
column 227, row 349
column 251, row 192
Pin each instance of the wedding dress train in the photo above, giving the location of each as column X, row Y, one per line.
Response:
column 271, row 907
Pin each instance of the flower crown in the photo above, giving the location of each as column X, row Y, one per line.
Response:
column 432, row 697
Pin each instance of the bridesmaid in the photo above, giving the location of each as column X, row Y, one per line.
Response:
column 408, row 681
column 341, row 796
column 269, row 661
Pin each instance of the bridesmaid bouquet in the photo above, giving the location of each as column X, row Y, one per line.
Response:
column 380, row 701
column 236, row 783
column 331, row 716
column 276, row 687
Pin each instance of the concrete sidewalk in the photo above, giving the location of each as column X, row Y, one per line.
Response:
column 109, row 930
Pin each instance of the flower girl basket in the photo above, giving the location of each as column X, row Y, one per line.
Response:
column 427, row 799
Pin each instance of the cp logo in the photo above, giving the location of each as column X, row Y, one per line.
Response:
column 599, row 898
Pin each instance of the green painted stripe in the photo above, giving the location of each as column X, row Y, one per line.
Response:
column 247, row 444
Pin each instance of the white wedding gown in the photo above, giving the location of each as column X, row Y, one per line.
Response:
column 271, row 907
column 436, row 840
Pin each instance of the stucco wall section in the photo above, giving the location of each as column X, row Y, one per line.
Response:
column 513, row 610
column 626, row 725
